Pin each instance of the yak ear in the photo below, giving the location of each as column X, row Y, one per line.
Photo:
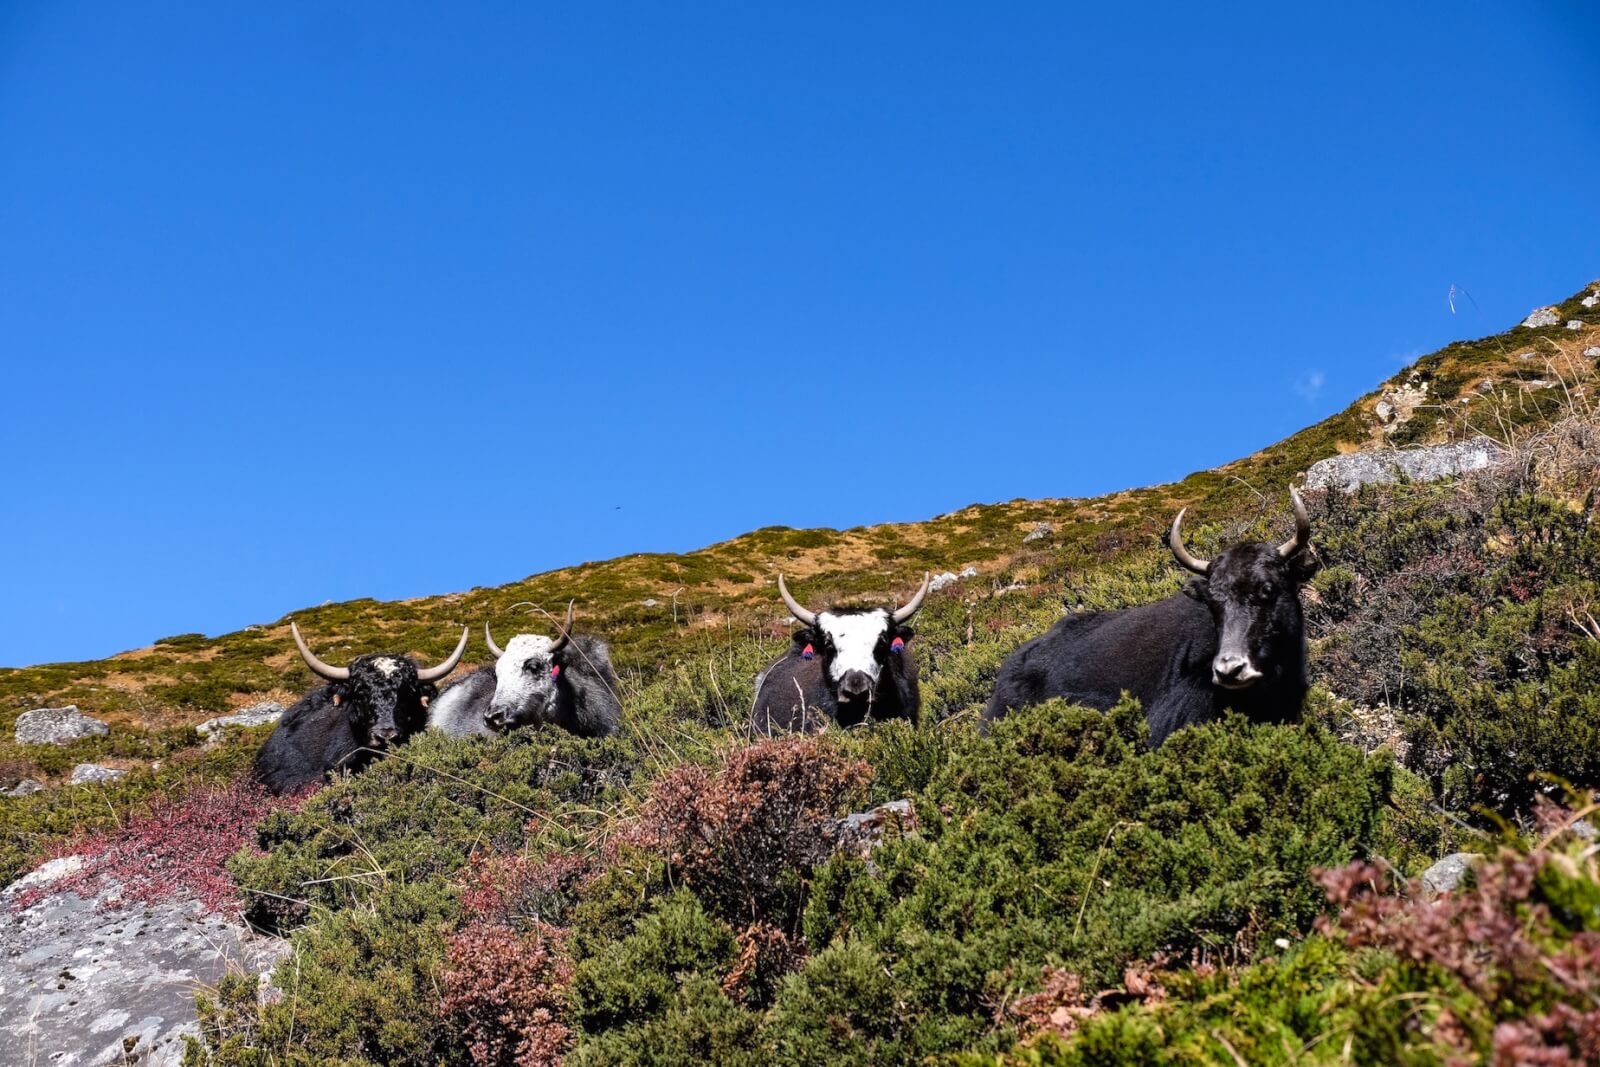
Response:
column 1305, row 564
column 905, row 633
column 1196, row 589
column 806, row 635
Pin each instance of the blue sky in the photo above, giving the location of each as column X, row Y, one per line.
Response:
column 314, row 301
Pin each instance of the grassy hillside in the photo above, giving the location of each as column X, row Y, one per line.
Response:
column 675, row 894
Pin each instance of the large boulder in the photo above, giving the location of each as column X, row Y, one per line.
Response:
column 57, row 726
column 85, row 982
column 1411, row 464
column 1545, row 316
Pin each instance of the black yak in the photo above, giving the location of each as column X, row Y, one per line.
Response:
column 848, row 664
column 374, row 704
column 1234, row 638
column 567, row 681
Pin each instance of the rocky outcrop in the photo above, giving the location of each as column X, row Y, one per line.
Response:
column 1450, row 872
column 83, row 983
column 57, row 726
column 1546, row 316
column 1040, row 531
column 1411, row 464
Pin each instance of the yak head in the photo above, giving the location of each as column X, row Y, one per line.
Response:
column 384, row 696
column 1253, row 591
column 854, row 644
column 527, row 677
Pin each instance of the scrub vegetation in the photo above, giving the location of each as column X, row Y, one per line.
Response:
column 1052, row 892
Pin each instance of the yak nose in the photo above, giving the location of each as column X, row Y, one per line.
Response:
column 385, row 734
column 1233, row 670
column 854, row 685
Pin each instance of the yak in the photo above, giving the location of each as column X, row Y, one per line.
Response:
column 848, row 664
column 1233, row 638
column 372, row 705
column 568, row 682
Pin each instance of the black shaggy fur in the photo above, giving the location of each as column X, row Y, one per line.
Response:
column 316, row 737
column 1163, row 653
column 583, row 699
column 795, row 693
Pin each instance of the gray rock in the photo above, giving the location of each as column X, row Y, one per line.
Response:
column 1576, row 324
column 1448, row 873
column 255, row 715
column 968, row 572
column 57, row 726
column 1415, row 464
column 939, row 581
column 83, row 985
column 25, row 788
column 1593, row 352
column 861, row 834
column 1592, row 300
column 84, row 773
column 649, row 603
column 1040, row 531
column 1485, row 386
column 1385, row 411
column 1545, row 316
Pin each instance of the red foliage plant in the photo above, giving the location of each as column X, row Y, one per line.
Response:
column 1499, row 939
column 736, row 833
column 175, row 852
column 1061, row 1004
column 506, row 993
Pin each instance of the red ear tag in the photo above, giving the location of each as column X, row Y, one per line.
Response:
column 808, row 652
column 897, row 644
column 336, row 700
column 554, row 671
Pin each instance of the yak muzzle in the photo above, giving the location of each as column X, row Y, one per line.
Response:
column 855, row 685
column 1234, row 672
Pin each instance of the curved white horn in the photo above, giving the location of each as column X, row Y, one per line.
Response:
column 566, row 631
column 807, row 617
column 326, row 670
column 1181, row 552
column 433, row 674
column 1302, row 527
column 489, row 637
column 915, row 605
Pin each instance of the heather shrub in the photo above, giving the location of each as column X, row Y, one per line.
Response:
column 743, row 837
column 506, row 993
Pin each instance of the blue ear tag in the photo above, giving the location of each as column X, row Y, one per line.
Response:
column 808, row 652
column 897, row 644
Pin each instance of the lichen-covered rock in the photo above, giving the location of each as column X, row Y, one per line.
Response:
column 1576, row 324
column 25, row 788
column 1040, row 531
column 1593, row 352
column 83, row 983
column 1414, row 464
column 1449, row 872
column 255, row 715
column 85, row 773
column 939, row 581
column 862, row 833
column 57, row 726
column 1545, row 316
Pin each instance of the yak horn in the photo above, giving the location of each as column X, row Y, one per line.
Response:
column 489, row 637
column 433, row 674
column 326, row 670
column 566, row 631
column 902, row 614
column 807, row 617
column 1181, row 552
column 1302, row 527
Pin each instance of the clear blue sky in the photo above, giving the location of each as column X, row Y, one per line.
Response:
column 310, row 301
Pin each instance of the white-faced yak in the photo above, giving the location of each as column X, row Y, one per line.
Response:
column 374, row 704
column 568, row 682
column 846, row 665
column 1233, row 638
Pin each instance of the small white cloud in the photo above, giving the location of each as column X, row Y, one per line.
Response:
column 1310, row 385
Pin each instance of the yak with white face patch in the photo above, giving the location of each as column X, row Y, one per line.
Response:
column 375, row 703
column 565, row 681
column 847, row 666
